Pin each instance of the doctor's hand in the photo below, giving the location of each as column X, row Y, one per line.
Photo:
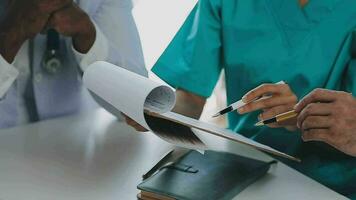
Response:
column 134, row 124
column 73, row 22
column 282, row 100
column 329, row 116
column 24, row 20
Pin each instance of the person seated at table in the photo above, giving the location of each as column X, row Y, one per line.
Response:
column 306, row 43
column 40, row 75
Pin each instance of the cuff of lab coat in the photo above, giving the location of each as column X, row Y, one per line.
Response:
column 8, row 74
column 98, row 52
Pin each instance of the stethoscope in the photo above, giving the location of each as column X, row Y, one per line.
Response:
column 51, row 61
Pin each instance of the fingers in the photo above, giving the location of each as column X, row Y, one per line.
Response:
column 265, row 89
column 316, row 135
column 316, row 122
column 317, row 95
column 58, row 20
column 269, row 113
column 282, row 100
column 332, row 121
column 314, row 109
column 329, row 137
column 268, row 103
column 134, row 124
column 281, row 95
column 73, row 22
column 49, row 6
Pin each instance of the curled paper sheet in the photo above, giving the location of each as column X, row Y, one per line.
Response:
column 128, row 92
column 120, row 90
column 150, row 103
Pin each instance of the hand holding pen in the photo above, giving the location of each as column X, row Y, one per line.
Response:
column 325, row 116
column 241, row 103
column 272, row 99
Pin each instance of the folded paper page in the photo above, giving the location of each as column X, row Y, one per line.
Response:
column 128, row 92
column 220, row 132
column 133, row 94
column 150, row 103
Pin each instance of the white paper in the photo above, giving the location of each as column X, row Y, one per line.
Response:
column 224, row 133
column 128, row 92
column 133, row 94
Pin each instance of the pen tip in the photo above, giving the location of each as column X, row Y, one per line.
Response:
column 259, row 123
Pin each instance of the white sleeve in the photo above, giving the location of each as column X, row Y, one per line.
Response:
column 98, row 52
column 115, row 21
column 8, row 74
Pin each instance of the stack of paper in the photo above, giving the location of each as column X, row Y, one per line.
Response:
column 150, row 103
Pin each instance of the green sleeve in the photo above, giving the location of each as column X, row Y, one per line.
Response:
column 350, row 76
column 192, row 60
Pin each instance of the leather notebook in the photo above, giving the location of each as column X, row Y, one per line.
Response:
column 214, row 175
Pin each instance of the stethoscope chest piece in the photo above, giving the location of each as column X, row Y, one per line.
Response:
column 51, row 61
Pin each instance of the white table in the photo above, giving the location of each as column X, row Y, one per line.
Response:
column 93, row 156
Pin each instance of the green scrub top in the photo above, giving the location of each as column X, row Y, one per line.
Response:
column 266, row 41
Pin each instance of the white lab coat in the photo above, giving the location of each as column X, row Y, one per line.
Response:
column 117, row 41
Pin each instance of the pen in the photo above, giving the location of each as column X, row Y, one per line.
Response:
column 278, row 118
column 240, row 103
